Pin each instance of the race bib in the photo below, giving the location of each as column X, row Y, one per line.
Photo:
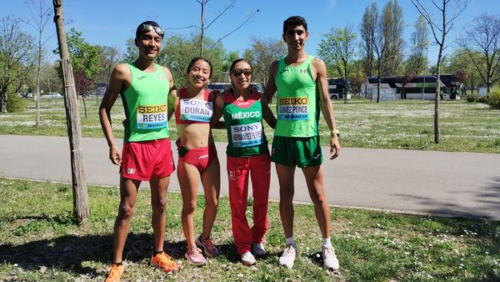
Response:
column 293, row 108
column 152, row 117
column 246, row 135
column 196, row 110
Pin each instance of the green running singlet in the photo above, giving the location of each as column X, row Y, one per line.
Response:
column 243, row 120
column 297, row 101
column 145, row 103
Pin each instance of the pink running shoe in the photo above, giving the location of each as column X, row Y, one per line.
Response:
column 195, row 257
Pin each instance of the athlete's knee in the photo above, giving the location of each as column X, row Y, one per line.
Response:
column 286, row 194
column 125, row 211
column 318, row 198
column 160, row 204
column 189, row 207
column 212, row 203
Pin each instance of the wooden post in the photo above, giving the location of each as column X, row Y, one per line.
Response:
column 80, row 196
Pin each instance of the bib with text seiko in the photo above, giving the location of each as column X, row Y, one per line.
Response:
column 152, row 117
column 246, row 135
column 293, row 108
column 196, row 110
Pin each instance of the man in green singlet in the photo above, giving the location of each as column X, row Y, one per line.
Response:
column 146, row 156
column 300, row 82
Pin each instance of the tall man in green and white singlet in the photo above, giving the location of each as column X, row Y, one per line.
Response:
column 300, row 82
column 147, row 156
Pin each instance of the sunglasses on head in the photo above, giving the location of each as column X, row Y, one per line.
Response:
column 246, row 72
column 149, row 27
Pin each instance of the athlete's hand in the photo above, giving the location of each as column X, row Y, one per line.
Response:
column 178, row 143
column 334, row 147
column 214, row 94
column 114, row 155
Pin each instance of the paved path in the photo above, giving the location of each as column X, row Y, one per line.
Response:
column 464, row 184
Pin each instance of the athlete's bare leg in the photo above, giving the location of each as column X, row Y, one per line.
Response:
column 314, row 180
column 128, row 197
column 189, row 180
column 210, row 179
column 159, row 188
column 287, row 190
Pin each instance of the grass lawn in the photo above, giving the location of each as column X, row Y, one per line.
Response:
column 40, row 242
column 404, row 124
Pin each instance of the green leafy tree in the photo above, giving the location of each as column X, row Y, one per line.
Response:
column 417, row 61
column 179, row 50
column 367, row 32
column 387, row 43
column 85, row 58
column 109, row 58
column 338, row 49
column 460, row 61
column 391, row 29
column 17, row 59
column 262, row 53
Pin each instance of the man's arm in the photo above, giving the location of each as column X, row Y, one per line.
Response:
column 172, row 94
column 117, row 83
column 267, row 114
column 271, row 86
column 326, row 106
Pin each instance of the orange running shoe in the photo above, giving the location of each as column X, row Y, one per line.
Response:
column 164, row 262
column 115, row 273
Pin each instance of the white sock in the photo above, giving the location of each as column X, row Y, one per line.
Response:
column 326, row 242
column 290, row 241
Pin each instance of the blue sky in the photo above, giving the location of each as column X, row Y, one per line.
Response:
column 112, row 22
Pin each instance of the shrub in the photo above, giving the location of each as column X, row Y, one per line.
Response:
column 15, row 103
column 494, row 97
column 482, row 99
column 471, row 98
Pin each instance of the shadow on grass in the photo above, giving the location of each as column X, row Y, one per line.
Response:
column 69, row 252
column 488, row 198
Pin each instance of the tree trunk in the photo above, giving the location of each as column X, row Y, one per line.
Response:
column 203, row 3
column 80, row 196
column 3, row 105
column 37, row 119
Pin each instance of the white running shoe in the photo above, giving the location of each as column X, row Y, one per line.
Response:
column 258, row 249
column 247, row 259
column 288, row 256
column 330, row 260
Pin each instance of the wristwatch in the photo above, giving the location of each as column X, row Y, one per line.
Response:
column 335, row 131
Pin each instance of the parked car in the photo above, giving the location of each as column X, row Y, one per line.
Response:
column 51, row 95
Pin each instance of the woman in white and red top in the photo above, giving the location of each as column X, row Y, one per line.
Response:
column 198, row 160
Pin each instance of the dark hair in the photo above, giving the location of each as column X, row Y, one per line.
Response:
column 191, row 64
column 294, row 21
column 138, row 31
column 237, row 61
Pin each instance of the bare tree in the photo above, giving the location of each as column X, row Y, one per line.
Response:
column 80, row 196
column 441, row 24
column 41, row 14
column 484, row 38
column 203, row 26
